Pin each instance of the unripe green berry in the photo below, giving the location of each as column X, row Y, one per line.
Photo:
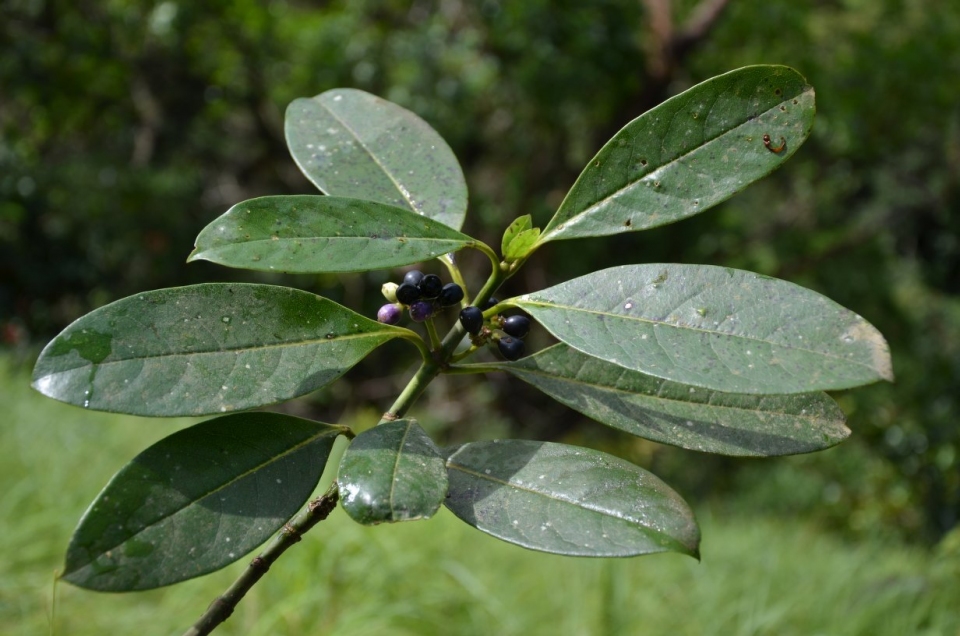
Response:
column 389, row 291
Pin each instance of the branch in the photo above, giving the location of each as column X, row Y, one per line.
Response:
column 223, row 606
column 698, row 26
column 669, row 46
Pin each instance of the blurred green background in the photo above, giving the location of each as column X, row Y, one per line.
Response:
column 126, row 126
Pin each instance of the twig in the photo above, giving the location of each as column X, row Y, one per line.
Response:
column 223, row 606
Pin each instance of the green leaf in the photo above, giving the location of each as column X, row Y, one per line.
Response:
column 392, row 472
column 521, row 245
column 713, row 327
column 519, row 225
column 567, row 500
column 205, row 349
column 688, row 154
column 353, row 144
column 198, row 500
column 678, row 414
column 314, row 234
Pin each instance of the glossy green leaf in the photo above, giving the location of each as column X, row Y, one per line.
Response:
column 205, row 349
column 392, row 472
column 567, row 500
column 353, row 144
column 682, row 415
column 689, row 153
column 520, row 224
column 313, row 234
column 713, row 327
column 198, row 500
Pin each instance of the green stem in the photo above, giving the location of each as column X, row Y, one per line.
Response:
column 434, row 336
column 434, row 362
column 417, row 385
column 223, row 606
column 438, row 362
column 457, row 357
column 417, row 340
column 450, row 261
column 468, row 369
column 486, row 249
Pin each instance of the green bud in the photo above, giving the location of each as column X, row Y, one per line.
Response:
column 389, row 291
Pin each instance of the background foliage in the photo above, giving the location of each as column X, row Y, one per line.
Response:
column 126, row 126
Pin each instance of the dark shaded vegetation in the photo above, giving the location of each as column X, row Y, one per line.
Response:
column 127, row 126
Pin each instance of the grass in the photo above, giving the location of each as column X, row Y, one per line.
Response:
column 759, row 575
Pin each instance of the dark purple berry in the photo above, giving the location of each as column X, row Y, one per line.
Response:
column 451, row 294
column 516, row 326
column 421, row 310
column 490, row 303
column 413, row 277
column 389, row 314
column 472, row 319
column 510, row 347
column 430, row 286
column 408, row 294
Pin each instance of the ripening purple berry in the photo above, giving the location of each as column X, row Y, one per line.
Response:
column 421, row 310
column 389, row 314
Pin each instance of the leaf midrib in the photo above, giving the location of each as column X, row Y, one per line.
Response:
column 406, row 239
column 521, row 370
column 789, row 347
column 555, row 229
column 297, row 343
column 404, row 192
column 396, row 465
column 566, row 500
column 219, row 488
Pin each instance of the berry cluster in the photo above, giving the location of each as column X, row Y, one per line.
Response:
column 508, row 332
column 423, row 295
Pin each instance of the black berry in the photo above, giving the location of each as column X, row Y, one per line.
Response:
column 451, row 294
column 490, row 303
column 389, row 314
column 421, row 310
column 430, row 286
column 472, row 319
column 516, row 326
column 413, row 277
column 408, row 294
column 510, row 347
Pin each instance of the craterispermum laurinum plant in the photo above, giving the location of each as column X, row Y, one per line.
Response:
column 708, row 358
